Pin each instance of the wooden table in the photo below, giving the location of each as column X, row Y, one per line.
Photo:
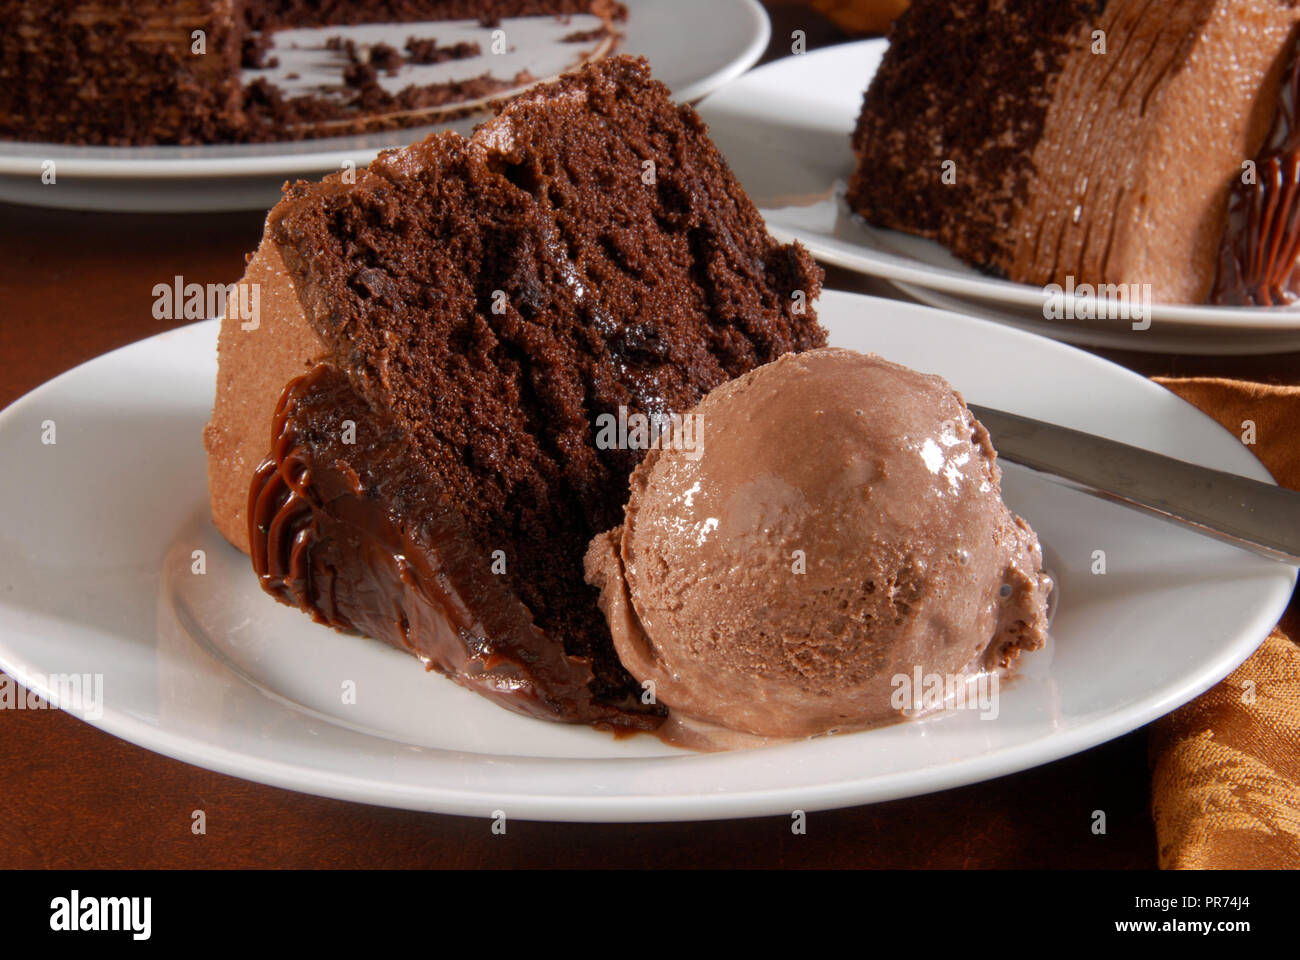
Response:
column 74, row 285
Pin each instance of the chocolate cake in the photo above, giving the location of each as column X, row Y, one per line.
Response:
column 1041, row 140
column 406, row 436
column 93, row 72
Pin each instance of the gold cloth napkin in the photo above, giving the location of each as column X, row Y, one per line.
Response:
column 861, row 16
column 1225, row 768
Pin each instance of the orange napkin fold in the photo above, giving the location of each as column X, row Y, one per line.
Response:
column 861, row 16
column 1225, row 768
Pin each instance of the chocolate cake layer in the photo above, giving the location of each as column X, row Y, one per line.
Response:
column 1044, row 140
column 587, row 254
column 965, row 84
column 362, row 536
column 73, row 71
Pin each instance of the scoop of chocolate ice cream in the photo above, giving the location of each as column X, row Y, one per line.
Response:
column 831, row 522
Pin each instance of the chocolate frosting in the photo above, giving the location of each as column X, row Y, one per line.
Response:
column 363, row 537
column 1259, row 259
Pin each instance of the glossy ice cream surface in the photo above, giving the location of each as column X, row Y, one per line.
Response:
column 836, row 523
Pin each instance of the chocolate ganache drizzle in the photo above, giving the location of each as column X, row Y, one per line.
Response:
column 362, row 536
column 1259, row 258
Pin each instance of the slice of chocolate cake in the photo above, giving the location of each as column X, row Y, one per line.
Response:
column 1043, row 140
column 149, row 72
column 435, row 346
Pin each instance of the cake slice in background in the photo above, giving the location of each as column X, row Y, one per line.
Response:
column 472, row 308
column 1047, row 139
column 95, row 72
column 73, row 71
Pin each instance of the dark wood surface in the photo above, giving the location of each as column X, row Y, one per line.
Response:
column 74, row 285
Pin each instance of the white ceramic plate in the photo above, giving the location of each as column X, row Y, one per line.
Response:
column 97, row 577
column 692, row 47
column 785, row 130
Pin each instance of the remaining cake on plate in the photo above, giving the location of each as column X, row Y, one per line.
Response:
column 94, row 72
column 1042, row 140
column 405, row 435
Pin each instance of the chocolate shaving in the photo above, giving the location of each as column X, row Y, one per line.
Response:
column 425, row 50
column 1259, row 257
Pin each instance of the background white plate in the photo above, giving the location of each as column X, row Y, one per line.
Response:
column 96, row 560
column 692, row 47
column 785, row 130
